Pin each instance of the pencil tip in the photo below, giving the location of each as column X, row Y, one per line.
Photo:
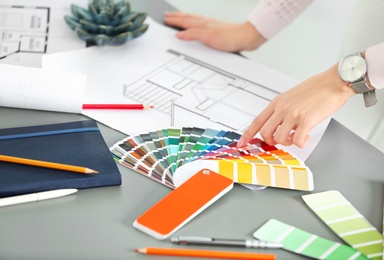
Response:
column 147, row 106
column 90, row 171
column 140, row 250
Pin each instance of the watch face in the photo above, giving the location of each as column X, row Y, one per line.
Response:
column 352, row 68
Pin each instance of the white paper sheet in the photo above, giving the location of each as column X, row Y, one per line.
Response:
column 42, row 89
column 207, row 88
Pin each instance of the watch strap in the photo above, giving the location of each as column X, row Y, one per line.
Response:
column 368, row 94
column 360, row 86
column 369, row 98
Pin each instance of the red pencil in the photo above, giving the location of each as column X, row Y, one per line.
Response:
column 116, row 106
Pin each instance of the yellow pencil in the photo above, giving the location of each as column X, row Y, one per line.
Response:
column 205, row 253
column 57, row 166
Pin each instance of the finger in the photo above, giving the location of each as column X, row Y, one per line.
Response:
column 301, row 136
column 255, row 126
column 269, row 129
column 250, row 132
column 185, row 21
column 282, row 134
column 181, row 15
column 206, row 36
column 302, row 143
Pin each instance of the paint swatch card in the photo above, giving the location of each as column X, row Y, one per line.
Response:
column 340, row 216
column 304, row 243
column 183, row 203
column 172, row 155
column 278, row 176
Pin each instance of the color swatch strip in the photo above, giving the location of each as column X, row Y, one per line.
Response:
column 340, row 215
column 159, row 154
column 304, row 243
column 279, row 176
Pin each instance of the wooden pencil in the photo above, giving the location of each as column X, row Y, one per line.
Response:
column 51, row 165
column 204, row 253
column 116, row 106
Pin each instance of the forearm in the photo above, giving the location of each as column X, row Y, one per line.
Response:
column 271, row 16
column 252, row 38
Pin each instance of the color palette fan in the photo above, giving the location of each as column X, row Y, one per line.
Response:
column 172, row 155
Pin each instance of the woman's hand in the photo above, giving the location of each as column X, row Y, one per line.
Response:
column 289, row 118
column 214, row 33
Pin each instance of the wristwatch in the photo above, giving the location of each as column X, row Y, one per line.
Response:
column 353, row 69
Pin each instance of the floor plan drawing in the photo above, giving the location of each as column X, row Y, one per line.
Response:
column 23, row 29
column 201, row 90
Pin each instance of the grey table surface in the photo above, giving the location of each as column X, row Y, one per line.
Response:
column 97, row 223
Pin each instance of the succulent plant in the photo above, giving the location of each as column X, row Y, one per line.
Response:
column 106, row 22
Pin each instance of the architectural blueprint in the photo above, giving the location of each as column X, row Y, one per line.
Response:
column 201, row 90
column 23, row 29
column 30, row 29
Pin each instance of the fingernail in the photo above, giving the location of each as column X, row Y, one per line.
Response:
column 180, row 34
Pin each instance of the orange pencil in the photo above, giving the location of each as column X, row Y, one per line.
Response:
column 57, row 166
column 204, row 253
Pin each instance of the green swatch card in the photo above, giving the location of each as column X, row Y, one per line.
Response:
column 340, row 216
column 304, row 243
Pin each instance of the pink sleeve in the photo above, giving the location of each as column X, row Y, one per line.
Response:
column 270, row 16
column 375, row 62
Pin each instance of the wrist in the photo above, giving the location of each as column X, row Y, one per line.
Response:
column 254, row 38
column 342, row 88
column 353, row 70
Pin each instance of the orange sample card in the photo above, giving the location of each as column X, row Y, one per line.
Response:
column 183, row 204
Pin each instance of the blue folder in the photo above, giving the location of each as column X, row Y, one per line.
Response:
column 77, row 143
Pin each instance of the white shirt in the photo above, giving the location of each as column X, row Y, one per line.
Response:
column 271, row 16
column 375, row 63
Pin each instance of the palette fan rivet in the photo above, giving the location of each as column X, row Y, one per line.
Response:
column 207, row 172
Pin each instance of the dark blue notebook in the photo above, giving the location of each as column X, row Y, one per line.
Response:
column 77, row 143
